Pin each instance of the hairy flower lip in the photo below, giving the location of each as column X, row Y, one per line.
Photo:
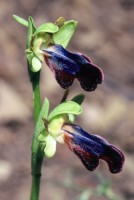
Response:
column 67, row 66
column 90, row 148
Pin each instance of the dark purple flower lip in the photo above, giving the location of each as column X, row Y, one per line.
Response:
column 67, row 66
column 90, row 148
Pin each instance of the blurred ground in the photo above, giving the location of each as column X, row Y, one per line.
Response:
column 105, row 33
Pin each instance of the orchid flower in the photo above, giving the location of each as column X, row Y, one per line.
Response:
column 67, row 66
column 87, row 147
column 90, row 148
column 47, row 44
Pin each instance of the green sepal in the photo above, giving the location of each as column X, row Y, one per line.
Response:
column 68, row 107
column 20, row 20
column 40, row 126
column 78, row 98
column 45, row 108
column 47, row 28
column 65, row 33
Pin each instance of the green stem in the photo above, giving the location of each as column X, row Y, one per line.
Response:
column 35, row 78
column 36, row 175
column 35, row 189
column 36, row 159
column 65, row 95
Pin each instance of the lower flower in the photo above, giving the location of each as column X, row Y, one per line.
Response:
column 90, row 148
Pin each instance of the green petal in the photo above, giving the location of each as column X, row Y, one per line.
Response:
column 50, row 148
column 71, row 118
column 65, row 33
column 36, row 64
column 31, row 30
column 47, row 28
column 56, row 123
column 68, row 107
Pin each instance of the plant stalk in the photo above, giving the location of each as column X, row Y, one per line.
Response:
column 36, row 157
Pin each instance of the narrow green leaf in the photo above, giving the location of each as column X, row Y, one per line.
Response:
column 79, row 98
column 65, row 33
column 21, row 20
column 47, row 28
column 68, row 107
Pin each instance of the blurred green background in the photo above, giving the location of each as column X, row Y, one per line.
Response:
column 105, row 33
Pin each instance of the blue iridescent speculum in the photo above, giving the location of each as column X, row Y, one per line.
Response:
column 90, row 148
column 67, row 66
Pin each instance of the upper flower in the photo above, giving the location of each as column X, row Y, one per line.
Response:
column 67, row 66
column 54, row 38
